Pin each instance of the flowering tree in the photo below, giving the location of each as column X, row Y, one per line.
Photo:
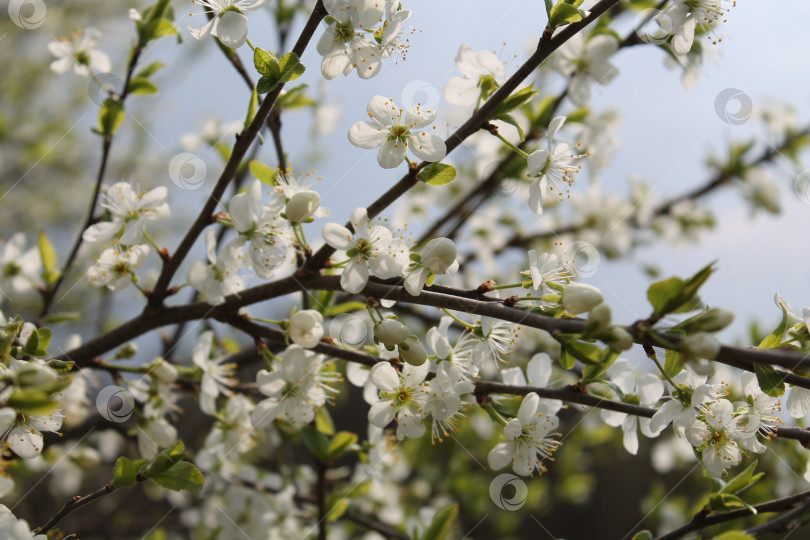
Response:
column 284, row 372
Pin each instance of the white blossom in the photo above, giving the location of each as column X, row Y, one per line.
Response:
column 371, row 247
column 481, row 70
column 229, row 23
column 402, row 396
column 395, row 130
column 80, row 52
column 131, row 211
column 528, row 441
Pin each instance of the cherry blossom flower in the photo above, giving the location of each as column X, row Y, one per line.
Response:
column 371, row 247
column 216, row 378
column 348, row 43
column 684, row 16
column 436, row 258
column 552, row 167
column 221, row 278
column 587, row 63
column 647, row 387
column 295, row 389
column 267, row 233
column 527, row 439
column 481, row 70
column 709, row 435
column 23, row 431
column 81, row 53
column 305, row 328
column 115, row 267
column 544, row 270
column 131, row 211
column 229, row 23
column 402, row 396
column 395, row 130
column 16, row 529
column 19, row 269
column 445, row 403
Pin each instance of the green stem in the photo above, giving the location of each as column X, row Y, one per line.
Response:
column 149, row 239
column 654, row 358
column 510, row 286
column 514, row 148
column 459, row 321
column 268, row 321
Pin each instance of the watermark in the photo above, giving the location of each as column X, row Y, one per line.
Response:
column 733, row 106
column 27, row 14
column 348, row 329
column 801, row 186
column 581, row 258
column 508, row 492
column 654, row 26
column 104, row 85
column 115, row 404
column 187, row 171
column 420, row 93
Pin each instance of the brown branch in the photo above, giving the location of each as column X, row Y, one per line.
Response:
column 701, row 521
column 74, row 504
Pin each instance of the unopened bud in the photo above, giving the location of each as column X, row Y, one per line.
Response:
column 579, row 297
column 412, row 351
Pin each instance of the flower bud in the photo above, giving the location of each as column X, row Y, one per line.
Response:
column 439, row 255
column 579, row 297
column 412, row 351
column 163, row 371
column 700, row 345
column 598, row 320
column 391, row 332
column 302, row 205
column 305, row 328
column 712, row 320
column 33, row 376
column 619, row 339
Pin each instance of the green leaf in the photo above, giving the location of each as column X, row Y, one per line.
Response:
column 323, row 422
column 643, row 535
column 48, row 256
column 32, row 402
column 142, row 85
column 263, row 173
column 254, row 101
column 675, row 295
column 60, row 366
column 183, row 475
column 439, row 528
column 295, row 98
column 586, row 353
column 43, row 340
column 336, row 507
column 32, row 344
column 562, row 14
column 110, row 117
column 266, row 64
column 594, row 372
column 727, row 501
column 291, row 67
column 165, row 460
column 437, row 174
column 149, row 70
column 266, row 84
column 316, row 442
column 339, row 444
column 775, row 339
column 743, row 480
column 155, row 29
column 567, row 360
column 673, row 363
column 62, row 317
column 515, row 100
column 770, row 381
column 509, row 119
column 734, row 535
column 124, row 474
